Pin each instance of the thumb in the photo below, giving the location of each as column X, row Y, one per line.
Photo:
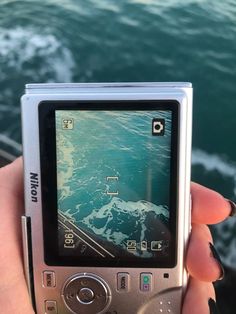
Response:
column 11, row 265
column 11, row 209
column 11, row 178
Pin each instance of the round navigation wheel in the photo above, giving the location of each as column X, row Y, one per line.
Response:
column 86, row 293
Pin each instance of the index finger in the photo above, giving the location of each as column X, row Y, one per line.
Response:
column 208, row 206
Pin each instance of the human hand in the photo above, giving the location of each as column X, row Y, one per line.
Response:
column 208, row 207
column 203, row 262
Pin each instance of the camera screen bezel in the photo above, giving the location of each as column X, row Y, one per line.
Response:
column 47, row 134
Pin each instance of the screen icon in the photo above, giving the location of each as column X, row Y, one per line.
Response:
column 112, row 180
column 158, row 127
column 67, row 124
column 131, row 245
column 157, row 245
column 143, row 246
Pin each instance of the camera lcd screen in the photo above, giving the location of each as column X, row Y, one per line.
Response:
column 115, row 195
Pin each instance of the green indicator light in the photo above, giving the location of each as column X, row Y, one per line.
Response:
column 145, row 279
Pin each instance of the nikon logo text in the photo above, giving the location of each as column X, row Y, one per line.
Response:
column 34, row 183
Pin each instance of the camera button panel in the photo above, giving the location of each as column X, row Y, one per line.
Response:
column 86, row 293
column 51, row 307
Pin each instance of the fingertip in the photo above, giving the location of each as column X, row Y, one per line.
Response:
column 11, row 177
column 15, row 165
column 201, row 263
column 208, row 206
column 197, row 297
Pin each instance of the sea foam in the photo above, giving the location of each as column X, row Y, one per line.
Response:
column 214, row 162
column 37, row 54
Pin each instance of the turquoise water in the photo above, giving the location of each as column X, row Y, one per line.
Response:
column 132, row 40
column 104, row 161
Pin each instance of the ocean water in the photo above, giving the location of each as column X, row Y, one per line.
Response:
column 132, row 40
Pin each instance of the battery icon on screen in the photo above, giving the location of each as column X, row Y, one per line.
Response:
column 144, row 246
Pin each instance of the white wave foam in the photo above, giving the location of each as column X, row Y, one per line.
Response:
column 37, row 54
column 136, row 210
column 213, row 162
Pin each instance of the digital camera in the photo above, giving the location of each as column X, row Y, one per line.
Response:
column 107, row 196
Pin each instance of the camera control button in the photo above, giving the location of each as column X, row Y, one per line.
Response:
column 51, row 307
column 146, row 282
column 86, row 295
column 49, row 279
column 123, row 282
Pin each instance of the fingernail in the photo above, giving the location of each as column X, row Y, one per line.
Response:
column 213, row 307
column 233, row 208
column 217, row 257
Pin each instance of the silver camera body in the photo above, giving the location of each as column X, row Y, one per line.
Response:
column 112, row 246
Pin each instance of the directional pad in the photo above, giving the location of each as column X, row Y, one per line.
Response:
column 86, row 293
